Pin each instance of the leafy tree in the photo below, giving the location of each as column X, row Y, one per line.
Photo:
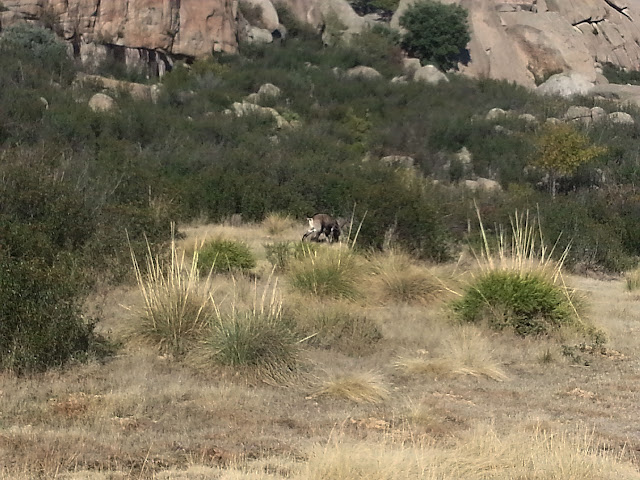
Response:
column 561, row 149
column 435, row 32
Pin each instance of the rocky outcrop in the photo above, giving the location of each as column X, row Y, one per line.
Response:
column 526, row 41
column 135, row 28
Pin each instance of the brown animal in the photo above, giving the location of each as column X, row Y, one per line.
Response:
column 321, row 223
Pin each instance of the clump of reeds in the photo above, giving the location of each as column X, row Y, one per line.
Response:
column 175, row 295
column 257, row 337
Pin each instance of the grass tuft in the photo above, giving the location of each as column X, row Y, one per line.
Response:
column 356, row 387
column 258, row 337
column 337, row 326
column 399, row 279
column 328, row 273
column 176, row 300
column 276, row 223
column 467, row 352
column 632, row 280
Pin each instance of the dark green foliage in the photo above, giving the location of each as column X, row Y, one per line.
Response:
column 383, row 7
column 528, row 303
column 41, row 322
column 225, row 256
column 25, row 42
column 617, row 75
column 435, row 32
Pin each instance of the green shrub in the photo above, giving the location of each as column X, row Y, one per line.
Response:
column 225, row 256
column 41, row 46
column 435, row 32
column 528, row 303
column 41, row 321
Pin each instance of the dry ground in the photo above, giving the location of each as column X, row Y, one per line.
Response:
column 521, row 408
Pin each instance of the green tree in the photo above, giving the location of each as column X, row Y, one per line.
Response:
column 435, row 32
column 560, row 150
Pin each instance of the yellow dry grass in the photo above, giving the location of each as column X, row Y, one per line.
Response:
column 358, row 387
column 145, row 415
column 465, row 352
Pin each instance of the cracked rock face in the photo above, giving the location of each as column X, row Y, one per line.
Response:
column 175, row 27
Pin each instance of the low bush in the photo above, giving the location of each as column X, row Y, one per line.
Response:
column 528, row 303
column 221, row 256
column 520, row 286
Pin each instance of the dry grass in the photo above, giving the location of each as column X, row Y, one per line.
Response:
column 465, row 352
column 632, row 279
column 279, row 224
column 397, row 278
column 176, row 300
column 483, row 454
column 358, row 387
column 143, row 415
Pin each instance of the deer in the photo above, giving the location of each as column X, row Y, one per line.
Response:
column 322, row 223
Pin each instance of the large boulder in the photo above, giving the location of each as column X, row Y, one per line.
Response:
column 566, row 85
column 138, row 91
column 429, row 74
column 101, row 102
column 267, row 14
column 368, row 73
column 335, row 18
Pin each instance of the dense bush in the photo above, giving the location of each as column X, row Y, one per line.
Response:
column 25, row 41
column 528, row 303
column 222, row 255
column 436, row 32
column 41, row 321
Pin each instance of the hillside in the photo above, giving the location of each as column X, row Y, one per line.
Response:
column 524, row 41
column 160, row 317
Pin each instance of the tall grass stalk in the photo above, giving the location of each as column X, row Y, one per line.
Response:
column 176, row 299
column 524, row 250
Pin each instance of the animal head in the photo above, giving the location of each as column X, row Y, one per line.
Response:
column 310, row 220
